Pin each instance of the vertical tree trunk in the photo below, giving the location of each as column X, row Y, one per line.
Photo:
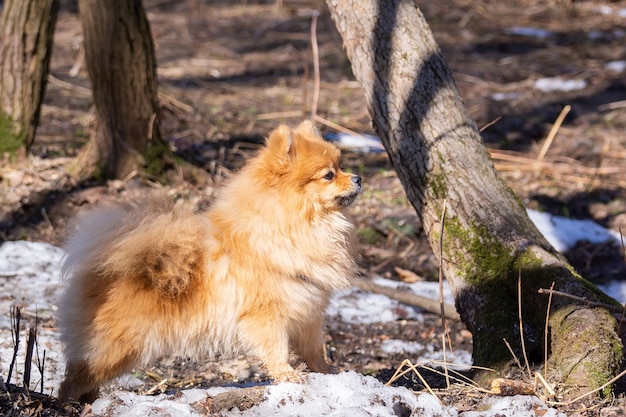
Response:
column 26, row 35
column 121, row 64
column 488, row 239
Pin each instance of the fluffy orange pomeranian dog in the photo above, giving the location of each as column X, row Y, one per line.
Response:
column 254, row 272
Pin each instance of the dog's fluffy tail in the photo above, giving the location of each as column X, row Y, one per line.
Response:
column 146, row 240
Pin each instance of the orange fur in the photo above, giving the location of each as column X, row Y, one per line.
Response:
column 255, row 271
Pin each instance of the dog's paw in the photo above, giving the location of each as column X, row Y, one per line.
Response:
column 297, row 376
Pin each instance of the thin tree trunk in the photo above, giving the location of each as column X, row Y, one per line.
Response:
column 121, row 64
column 488, row 239
column 27, row 32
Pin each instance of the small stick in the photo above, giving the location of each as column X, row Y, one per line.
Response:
column 545, row 384
column 553, row 131
column 316, row 64
column 545, row 333
column 582, row 300
column 521, row 323
column 41, row 362
column 491, row 123
column 406, row 298
column 16, row 316
column 30, row 343
column 519, row 365
column 621, row 237
column 441, row 303
column 337, row 127
column 413, row 368
column 42, row 367
column 156, row 387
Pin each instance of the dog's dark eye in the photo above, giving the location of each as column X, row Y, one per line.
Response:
column 329, row 175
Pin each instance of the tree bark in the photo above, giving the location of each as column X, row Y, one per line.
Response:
column 121, row 63
column 488, row 240
column 25, row 49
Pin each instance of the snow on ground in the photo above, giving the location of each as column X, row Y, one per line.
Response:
column 550, row 84
column 617, row 66
column 563, row 233
column 30, row 278
column 530, row 32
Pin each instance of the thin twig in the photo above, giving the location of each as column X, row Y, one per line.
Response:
column 441, row 303
column 83, row 91
column 41, row 362
column 555, row 128
column 460, row 378
column 406, row 298
column 337, row 127
column 519, row 365
column 156, row 387
column 16, row 316
column 413, row 368
column 545, row 333
column 521, row 323
column 621, row 237
column 30, row 344
column 589, row 303
column 316, row 64
column 545, row 384
column 491, row 123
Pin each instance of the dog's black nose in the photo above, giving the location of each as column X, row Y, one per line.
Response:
column 357, row 180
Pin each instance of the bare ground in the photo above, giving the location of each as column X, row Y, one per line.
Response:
column 231, row 71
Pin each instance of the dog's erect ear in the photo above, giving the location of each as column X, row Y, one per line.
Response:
column 308, row 129
column 280, row 141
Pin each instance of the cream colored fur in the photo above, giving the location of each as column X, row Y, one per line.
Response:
column 147, row 278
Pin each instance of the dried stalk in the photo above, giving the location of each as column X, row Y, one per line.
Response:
column 16, row 316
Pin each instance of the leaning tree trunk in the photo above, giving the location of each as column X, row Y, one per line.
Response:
column 488, row 239
column 27, row 32
column 121, row 64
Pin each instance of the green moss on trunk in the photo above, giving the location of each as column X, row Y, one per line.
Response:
column 11, row 141
column 491, row 269
column 584, row 336
column 585, row 349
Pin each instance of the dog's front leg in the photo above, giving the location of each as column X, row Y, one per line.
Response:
column 267, row 338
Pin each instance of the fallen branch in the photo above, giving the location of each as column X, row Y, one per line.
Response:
column 405, row 297
column 242, row 399
column 589, row 303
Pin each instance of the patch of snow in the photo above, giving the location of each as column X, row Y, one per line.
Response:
column 617, row 66
column 426, row 289
column 550, row 84
column 346, row 394
column 563, row 233
column 357, row 306
column 595, row 35
column 504, row 96
column 458, row 359
column 530, row 32
column 29, row 276
column 30, row 279
column 604, row 9
column 128, row 404
column 518, row 406
column 615, row 289
column 361, row 142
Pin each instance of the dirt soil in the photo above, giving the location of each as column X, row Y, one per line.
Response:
column 231, row 71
